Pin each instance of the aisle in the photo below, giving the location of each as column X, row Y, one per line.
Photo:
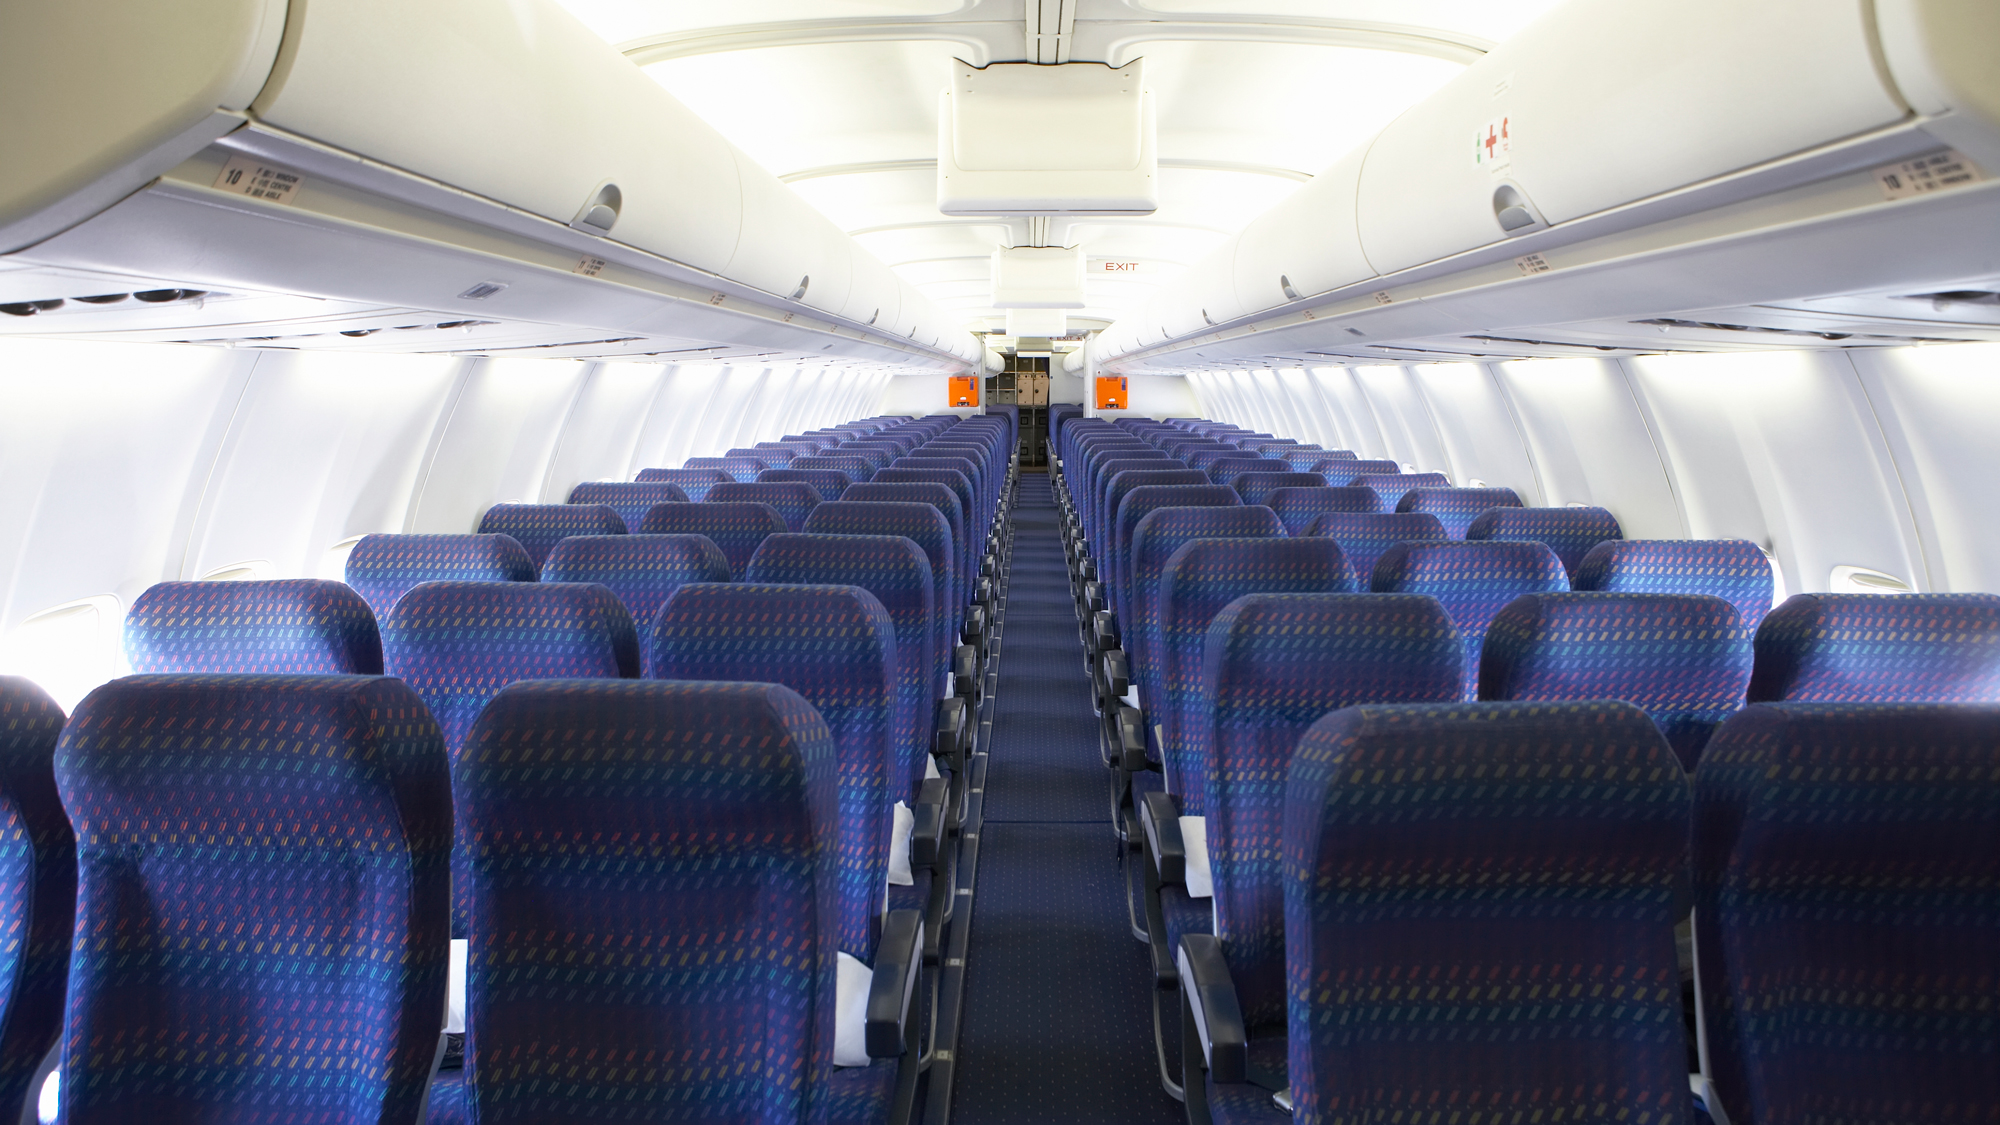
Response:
column 1057, row 1023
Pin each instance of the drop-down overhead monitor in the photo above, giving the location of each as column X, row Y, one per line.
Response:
column 1026, row 139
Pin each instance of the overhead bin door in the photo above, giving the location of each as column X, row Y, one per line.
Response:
column 517, row 102
column 1309, row 242
column 875, row 294
column 1605, row 102
column 788, row 248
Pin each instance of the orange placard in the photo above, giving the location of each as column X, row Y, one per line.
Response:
column 964, row 391
column 1111, row 392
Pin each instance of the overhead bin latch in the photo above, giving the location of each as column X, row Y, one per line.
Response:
column 1515, row 212
column 599, row 213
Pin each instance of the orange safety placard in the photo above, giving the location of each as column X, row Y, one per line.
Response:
column 964, row 391
column 1111, row 392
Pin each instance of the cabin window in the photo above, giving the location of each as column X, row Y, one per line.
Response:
column 48, row 1104
column 1474, row 482
column 1863, row 580
column 333, row 564
column 1778, row 591
column 251, row 570
column 68, row 649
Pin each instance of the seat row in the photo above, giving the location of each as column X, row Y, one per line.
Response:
column 846, row 625
column 1251, row 637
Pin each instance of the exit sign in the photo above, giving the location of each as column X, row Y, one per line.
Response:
column 1116, row 267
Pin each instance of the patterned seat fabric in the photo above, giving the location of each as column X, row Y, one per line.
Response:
column 1394, row 488
column 1681, row 658
column 1456, row 508
column 834, row 645
column 1569, row 532
column 1364, row 536
column 1342, row 474
column 936, row 496
column 458, row 643
column 743, row 469
column 895, row 570
column 1299, row 506
column 735, row 528
column 382, row 568
column 775, row 454
column 978, row 502
column 37, row 888
column 1201, row 578
column 878, row 454
column 1845, row 857
column 539, row 527
column 923, row 525
column 710, row 778
column 630, row 499
column 1398, row 939
column 1473, row 581
column 1206, row 459
column 1101, row 471
column 1880, row 648
column 1256, row 488
column 1226, row 470
column 1302, row 458
column 694, row 482
column 792, row 500
column 1114, row 489
column 827, row 484
column 297, row 626
column 642, row 571
column 808, row 442
column 974, row 531
column 1731, row 569
column 263, row 899
column 854, row 465
column 1154, row 540
column 1135, row 505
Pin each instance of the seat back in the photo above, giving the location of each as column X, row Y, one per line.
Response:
column 835, row 646
column 735, row 528
column 971, row 532
column 1345, row 469
column 1155, row 538
column 827, row 484
column 710, row 778
column 1116, row 488
column 694, row 482
column 458, row 643
column 1257, row 486
column 272, row 854
column 776, row 455
column 1594, row 879
column 641, row 571
column 298, row 626
column 630, row 499
column 1880, row 648
column 1394, row 488
column 1201, row 578
column 1302, row 458
column 895, row 570
column 1299, row 505
column 1569, row 532
column 1680, row 658
column 1225, row 470
column 1136, row 504
column 792, row 500
column 743, row 469
column 1455, row 508
column 37, row 890
column 854, row 465
column 922, row 524
column 1473, row 581
column 878, row 454
column 382, row 568
column 539, row 527
column 1364, row 536
column 1845, row 856
column 1731, row 569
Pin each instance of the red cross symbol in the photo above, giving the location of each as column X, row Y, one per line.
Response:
column 1491, row 140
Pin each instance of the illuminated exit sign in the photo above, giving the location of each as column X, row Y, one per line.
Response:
column 1116, row 267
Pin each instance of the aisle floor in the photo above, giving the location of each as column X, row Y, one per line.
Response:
column 1057, row 1016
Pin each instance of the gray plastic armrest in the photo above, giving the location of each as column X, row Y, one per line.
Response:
column 1218, row 1016
column 965, row 671
column 1160, row 813
column 898, row 960
column 927, row 834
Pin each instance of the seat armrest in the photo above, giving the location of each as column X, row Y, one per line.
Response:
column 965, row 671
column 1211, row 995
column 1087, row 569
column 899, row 957
column 1114, row 677
column 949, row 736
column 927, row 833
column 1131, row 739
column 1104, row 629
column 1160, row 813
column 975, row 622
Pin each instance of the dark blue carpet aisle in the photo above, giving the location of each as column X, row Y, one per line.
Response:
column 1057, row 1023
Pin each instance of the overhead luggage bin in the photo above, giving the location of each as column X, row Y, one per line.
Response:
column 447, row 160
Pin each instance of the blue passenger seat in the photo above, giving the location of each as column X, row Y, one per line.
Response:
column 1299, row 506
column 792, row 500
column 1365, row 536
column 293, row 626
column 539, row 527
column 641, row 571
column 735, row 528
column 382, row 568
column 1473, row 581
column 1880, row 648
column 37, row 892
column 1570, row 532
column 1731, row 569
column 1257, row 487
column 739, row 468
column 1455, row 508
column 630, row 499
column 694, row 482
